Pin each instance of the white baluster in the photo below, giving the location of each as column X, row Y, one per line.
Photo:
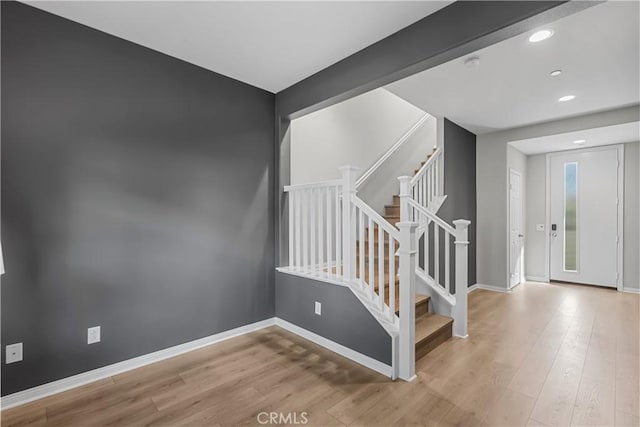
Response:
column 361, row 247
column 338, row 232
column 447, row 265
column 298, row 222
column 321, row 192
column 305, row 231
column 392, row 279
column 312, row 230
column 372, row 280
column 329, row 231
column 380, row 267
column 436, row 253
column 291, row 248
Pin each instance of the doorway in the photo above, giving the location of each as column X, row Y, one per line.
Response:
column 585, row 216
column 516, row 236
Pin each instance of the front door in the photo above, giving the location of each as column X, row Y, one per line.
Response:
column 584, row 217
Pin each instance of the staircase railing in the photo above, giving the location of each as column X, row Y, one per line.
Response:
column 426, row 186
column 315, row 230
column 337, row 237
column 436, row 262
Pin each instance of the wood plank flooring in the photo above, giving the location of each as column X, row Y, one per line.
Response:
column 543, row 355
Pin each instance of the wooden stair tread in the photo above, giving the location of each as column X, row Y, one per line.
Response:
column 429, row 325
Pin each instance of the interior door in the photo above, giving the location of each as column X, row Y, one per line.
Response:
column 515, row 228
column 584, row 217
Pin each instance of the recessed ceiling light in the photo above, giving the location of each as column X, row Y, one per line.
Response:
column 538, row 36
column 555, row 73
column 566, row 98
column 579, row 141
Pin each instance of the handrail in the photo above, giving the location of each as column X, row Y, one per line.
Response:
column 376, row 217
column 433, row 217
column 426, row 166
column 390, row 151
column 319, row 184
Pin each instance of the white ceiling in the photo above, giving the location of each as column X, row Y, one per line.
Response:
column 606, row 135
column 598, row 50
column 268, row 44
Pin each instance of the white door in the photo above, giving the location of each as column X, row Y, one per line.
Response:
column 584, row 217
column 515, row 228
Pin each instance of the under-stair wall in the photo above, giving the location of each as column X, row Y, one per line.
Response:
column 343, row 318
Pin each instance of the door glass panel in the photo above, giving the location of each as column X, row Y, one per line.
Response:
column 570, row 216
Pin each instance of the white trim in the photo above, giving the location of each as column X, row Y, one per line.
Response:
column 488, row 288
column 321, row 278
column 631, row 290
column 621, row 184
column 523, row 226
column 343, row 351
column 537, row 279
column 78, row 380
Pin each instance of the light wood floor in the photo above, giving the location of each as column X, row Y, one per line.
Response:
column 542, row 355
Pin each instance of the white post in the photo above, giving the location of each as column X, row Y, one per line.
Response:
column 407, row 341
column 462, row 277
column 348, row 222
column 405, row 193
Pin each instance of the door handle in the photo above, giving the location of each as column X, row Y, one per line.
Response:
column 554, row 234
column 520, row 235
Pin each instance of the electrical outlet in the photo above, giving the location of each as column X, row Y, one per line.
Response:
column 318, row 308
column 14, row 353
column 93, row 335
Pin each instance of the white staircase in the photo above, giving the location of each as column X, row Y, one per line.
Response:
column 334, row 236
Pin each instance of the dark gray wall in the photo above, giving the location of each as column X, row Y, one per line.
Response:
column 344, row 319
column 137, row 194
column 460, row 184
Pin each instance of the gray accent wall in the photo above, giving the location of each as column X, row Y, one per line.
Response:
column 343, row 320
column 460, row 184
column 137, row 195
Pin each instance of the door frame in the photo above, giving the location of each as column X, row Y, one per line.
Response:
column 522, row 226
column 547, row 245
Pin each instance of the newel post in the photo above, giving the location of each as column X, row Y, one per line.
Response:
column 462, row 277
column 348, row 221
column 407, row 339
column 405, row 193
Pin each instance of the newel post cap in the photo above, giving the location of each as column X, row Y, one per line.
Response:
column 462, row 223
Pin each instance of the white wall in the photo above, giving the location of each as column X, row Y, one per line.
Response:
column 535, row 241
column 356, row 132
column 492, row 185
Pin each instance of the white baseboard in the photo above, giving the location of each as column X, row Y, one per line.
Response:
column 488, row 288
column 68, row 383
column 537, row 279
column 359, row 358
column 631, row 290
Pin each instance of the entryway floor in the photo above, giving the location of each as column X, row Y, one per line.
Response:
column 542, row 355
